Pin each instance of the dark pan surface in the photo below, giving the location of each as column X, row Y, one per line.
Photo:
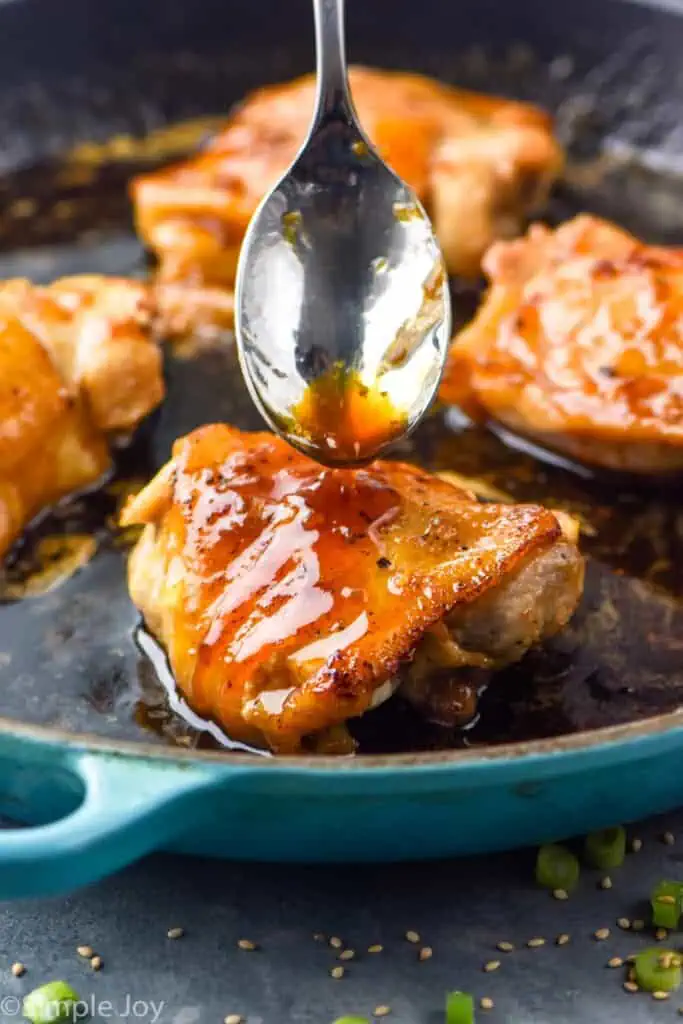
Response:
column 69, row 658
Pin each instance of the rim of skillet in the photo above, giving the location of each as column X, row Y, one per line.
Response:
column 614, row 737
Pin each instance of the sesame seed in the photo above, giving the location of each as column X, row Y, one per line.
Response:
column 492, row 965
column 336, row 943
column 486, row 1003
column 638, row 925
column 63, row 210
column 636, row 845
column 23, row 208
column 175, row 933
column 318, row 937
column 660, row 995
column 425, row 953
column 606, row 882
column 601, row 934
column 623, row 923
column 560, row 894
column 337, row 972
column 665, row 960
column 561, row 67
column 381, row 1011
column 18, row 969
column 535, row 943
column 413, row 936
column 96, row 963
column 669, row 839
column 670, row 900
column 347, row 954
column 87, row 952
column 375, row 949
column 562, row 939
column 247, row 945
column 505, row 947
column 616, row 961
column 233, row 1018
column 630, row 986
column 661, row 934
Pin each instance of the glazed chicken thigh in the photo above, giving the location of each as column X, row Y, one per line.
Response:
column 579, row 345
column 78, row 367
column 480, row 165
column 291, row 597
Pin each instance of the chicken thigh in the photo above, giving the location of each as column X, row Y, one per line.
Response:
column 579, row 345
column 291, row 597
column 78, row 366
column 480, row 165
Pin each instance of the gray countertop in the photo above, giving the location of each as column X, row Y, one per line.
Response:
column 461, row 909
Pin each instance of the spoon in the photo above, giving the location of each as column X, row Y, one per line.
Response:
column 342, row 307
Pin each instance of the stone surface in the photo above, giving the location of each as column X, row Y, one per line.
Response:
column 459, row 908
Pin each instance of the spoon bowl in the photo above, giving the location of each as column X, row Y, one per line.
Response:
column 342, row 298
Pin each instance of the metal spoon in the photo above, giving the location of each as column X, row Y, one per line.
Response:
column 342, row 303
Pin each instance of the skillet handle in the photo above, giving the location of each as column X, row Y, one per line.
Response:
column 129, row 807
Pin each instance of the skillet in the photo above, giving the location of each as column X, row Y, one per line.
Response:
column 96, row 766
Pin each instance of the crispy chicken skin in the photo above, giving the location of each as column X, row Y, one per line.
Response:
column 291, row 597
column 479, row 163
column 77, row 366
column 579, row 345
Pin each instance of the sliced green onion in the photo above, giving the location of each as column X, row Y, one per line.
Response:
column 50, row 1004
column 667, row 905
column 352, row 1020
column 658, row 970
column 557, row 868
column 607, row 848
column 459, row 1008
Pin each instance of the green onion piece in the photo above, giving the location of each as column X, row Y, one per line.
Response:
column 352, row 1020
column 51, row 1003
column 658, row 970
column 667, row 905
column 556, row 868
column 459, row 1008
column 607, row 848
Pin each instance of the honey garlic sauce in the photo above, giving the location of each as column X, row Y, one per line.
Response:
column 585, row 344
column 290, row 561
column 56, row 559
column 302, row 588
column 626, row 351
column 352, row 418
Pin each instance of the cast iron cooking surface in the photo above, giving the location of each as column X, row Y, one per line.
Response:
column 69, row 658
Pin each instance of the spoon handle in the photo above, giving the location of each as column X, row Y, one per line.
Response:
column 332, row 85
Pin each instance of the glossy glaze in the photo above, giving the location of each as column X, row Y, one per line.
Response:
column 286, row 593
column 349, row 415
column 78, row 367
column 580, row 342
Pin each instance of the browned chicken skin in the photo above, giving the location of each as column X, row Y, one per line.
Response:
column 77, row 366
column 291, row 597
column 579, row 345
column 480, row 164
